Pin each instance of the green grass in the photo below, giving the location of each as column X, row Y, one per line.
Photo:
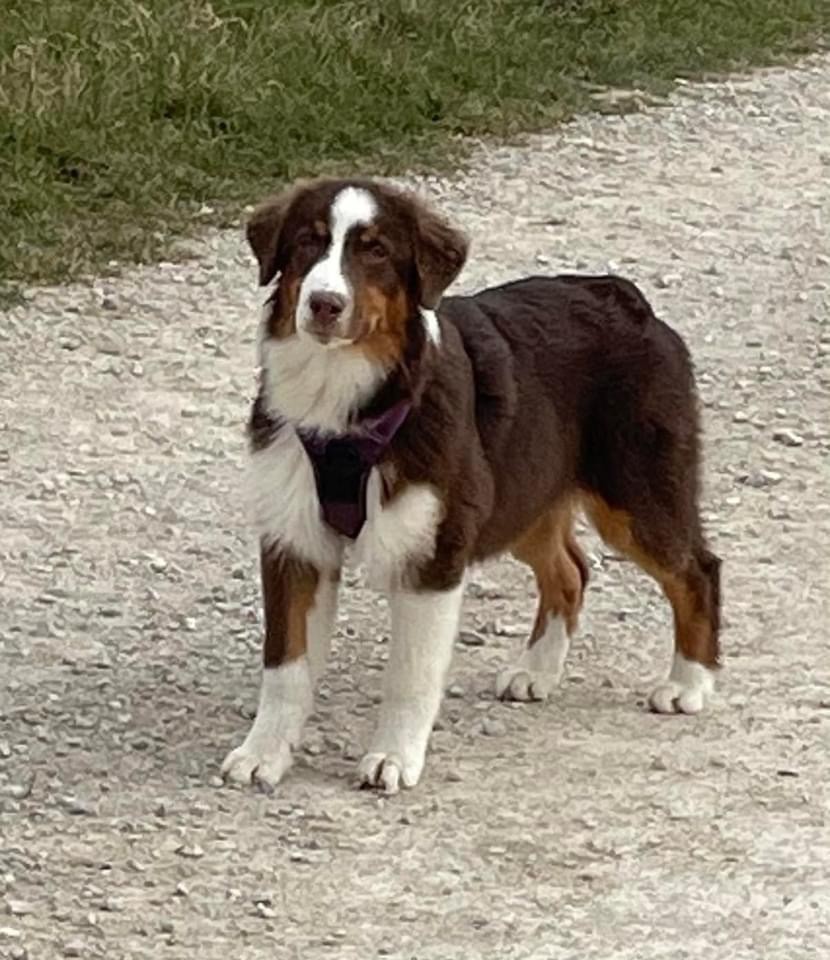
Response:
column 126, row 124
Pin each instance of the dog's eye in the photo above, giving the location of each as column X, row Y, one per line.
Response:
column 376, row 250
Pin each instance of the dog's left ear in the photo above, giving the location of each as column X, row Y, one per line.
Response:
column 440, row 253
column 263, row 232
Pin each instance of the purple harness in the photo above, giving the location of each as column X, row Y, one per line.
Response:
column 342, row 464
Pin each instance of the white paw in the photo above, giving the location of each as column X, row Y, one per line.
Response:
column 519, row 683
column 256, row 762
column 539, row 666
column 389, row 771
column 672, row 697
column 686, row 690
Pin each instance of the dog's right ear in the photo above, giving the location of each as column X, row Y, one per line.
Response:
column 263, row 232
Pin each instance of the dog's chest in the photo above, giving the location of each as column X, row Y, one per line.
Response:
column 397, row 534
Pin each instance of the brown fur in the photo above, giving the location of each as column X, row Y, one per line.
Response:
column 551, row 551
column 387, row 314
column 288, row 589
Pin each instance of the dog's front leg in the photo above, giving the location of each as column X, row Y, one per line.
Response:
column 424, row 627
column 300, row 607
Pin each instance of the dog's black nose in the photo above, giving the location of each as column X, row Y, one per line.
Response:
column 326, row 307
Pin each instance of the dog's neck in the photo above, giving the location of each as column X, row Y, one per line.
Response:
column 327, row 391
column 315, row 388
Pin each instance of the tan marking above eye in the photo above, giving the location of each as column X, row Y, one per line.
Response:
column 321, row 228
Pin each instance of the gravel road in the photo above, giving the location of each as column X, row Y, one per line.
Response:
column 582, row 828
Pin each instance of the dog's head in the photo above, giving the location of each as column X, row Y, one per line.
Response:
column 356, row 260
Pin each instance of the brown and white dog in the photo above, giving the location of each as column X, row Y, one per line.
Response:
column 418, row 439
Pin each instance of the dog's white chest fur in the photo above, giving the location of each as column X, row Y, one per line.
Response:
column 286, row 513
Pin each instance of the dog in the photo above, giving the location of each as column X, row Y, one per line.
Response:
column 418, row 435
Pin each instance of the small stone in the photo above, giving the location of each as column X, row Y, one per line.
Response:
column 470, row 639
column 109, row 345
column 485, row 590
column 658, row 764
column 18, row 791
column 192, row 851
column 264, row 911
column 788, row 437
column 505, row 628
column 78, row 807
column 158, row 564
column 762, row 478
column 74, row 948
column 20, row 908
column 491, row 727
column 455, row 692
column 740, row 416
column 453, row 776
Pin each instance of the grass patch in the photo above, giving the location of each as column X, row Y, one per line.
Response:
column 125, row 124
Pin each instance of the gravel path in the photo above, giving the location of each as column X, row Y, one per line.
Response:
column 582, row 828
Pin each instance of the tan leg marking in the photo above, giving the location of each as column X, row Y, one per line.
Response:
column 551, row 551
column 690, row 582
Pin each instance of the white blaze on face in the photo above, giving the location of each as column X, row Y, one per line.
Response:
column 352, row 207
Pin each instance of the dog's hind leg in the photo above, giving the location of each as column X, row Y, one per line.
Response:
column 671, row 548
column 639, row 473
column 551, row 551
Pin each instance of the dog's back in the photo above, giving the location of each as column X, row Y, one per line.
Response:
column 577, row 385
